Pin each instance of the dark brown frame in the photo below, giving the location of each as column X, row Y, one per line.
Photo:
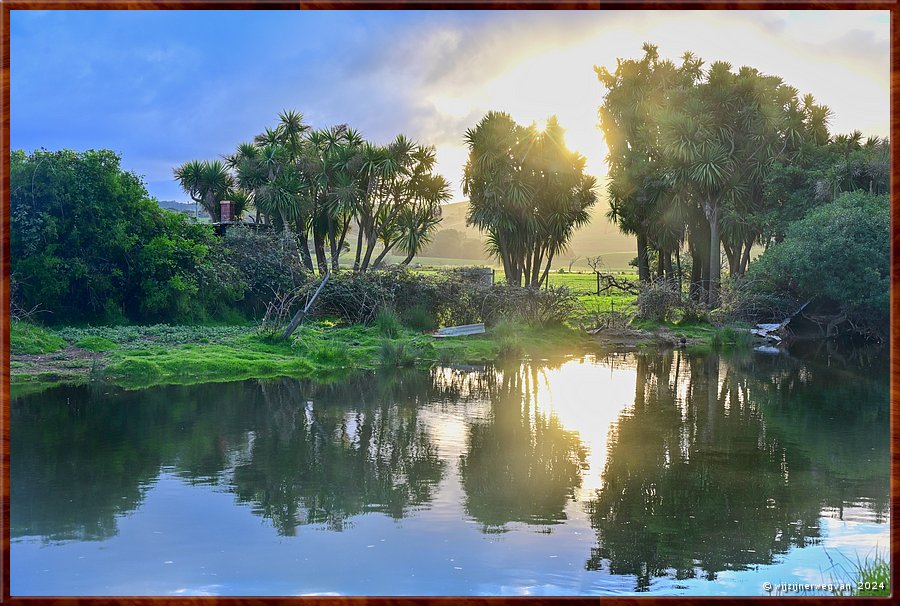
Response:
column 7, row 5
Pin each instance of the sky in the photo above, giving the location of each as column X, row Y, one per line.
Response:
column 165, row 87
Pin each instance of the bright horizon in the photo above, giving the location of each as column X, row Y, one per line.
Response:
column 164, row 87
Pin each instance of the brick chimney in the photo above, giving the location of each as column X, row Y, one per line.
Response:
column 227, row 211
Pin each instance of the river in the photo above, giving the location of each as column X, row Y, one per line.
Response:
column 666, row 473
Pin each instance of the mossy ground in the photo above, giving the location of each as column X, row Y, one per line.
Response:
column 140, row 356
column 25, row 338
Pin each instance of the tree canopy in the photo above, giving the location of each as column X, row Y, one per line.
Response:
column 88, row 243
column 690, row 153
column 320, row 183
column 527, row 191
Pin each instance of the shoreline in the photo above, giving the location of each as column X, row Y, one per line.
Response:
column 136, row 357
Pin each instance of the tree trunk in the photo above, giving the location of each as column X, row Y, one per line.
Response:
column 546, row 271
column 715, row 269
column 643, row 262
column 383, row 254
column 527, row 269
column 678, row 274
column 319, row 244
column 304, row 252
column 505, row 260
column 336, row 262
column 301, row 314
column 333, row 245
column 745, row 258
column 695, row 287
column 359, row 244
column 730, row 254
column 536, row 279
column 370, row 247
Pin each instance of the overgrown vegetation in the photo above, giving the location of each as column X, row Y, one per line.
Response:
column 716, row 160
column 89, row 245
column 25, row 338
column 139, row 356
column 839, row 251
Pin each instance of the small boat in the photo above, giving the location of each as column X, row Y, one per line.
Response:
column 459, row 331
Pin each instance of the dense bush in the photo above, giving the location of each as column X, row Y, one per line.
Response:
column 265, row 263
column 88, row 244
column 548, row 307
column 433, row 300
column 425, row 301
column 748, row 300
column 658, row 300
column 840, row 251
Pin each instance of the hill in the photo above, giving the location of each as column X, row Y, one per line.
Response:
column 455, row 240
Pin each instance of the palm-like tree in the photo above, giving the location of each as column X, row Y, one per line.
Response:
column 527, row 191
column 207, row 183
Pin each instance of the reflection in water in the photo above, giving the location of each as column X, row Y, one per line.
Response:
column 322, row 463
column 520, row 464
column 723, row 466
column 650, row 465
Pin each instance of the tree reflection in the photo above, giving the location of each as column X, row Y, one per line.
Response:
column 520, row 465
column 703, row 476
column 298, row 451
column 82, row 455
column 317, row 458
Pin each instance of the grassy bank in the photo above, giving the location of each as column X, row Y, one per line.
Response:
column 140, row 356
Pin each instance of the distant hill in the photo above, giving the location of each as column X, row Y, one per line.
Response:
column 599, row 237
column 183, row 207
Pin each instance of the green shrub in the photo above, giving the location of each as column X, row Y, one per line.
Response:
column 264, row 262
column 397, row 353
column 509, row 344
column 388, row 323
column 25, row 338
column 94, row 343
column 874, row 577
column 839, row 251
column 549, row 307
column 419, row 318
column 657, row 300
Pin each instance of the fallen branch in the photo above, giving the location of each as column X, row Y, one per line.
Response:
column 301, row 314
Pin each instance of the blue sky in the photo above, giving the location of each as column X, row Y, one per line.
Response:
column 164, row 87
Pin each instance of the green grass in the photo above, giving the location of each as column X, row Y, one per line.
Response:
column 95, row 343
column 25, row 338
column 388, row 323
column 140, row 356
column 870, row 577
column 398, row 353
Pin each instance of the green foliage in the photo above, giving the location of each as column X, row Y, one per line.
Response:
column 88, row 244
column 25, row 338
column 840, row 251
column 388, row 323
column 657, row 300
column 397, row 353
column 548, row 307
column 527, row 191
column 419, row 318
column 264, row 263
column 509, row 343
column 358, row 298
column 94, row 343
column 873, row 578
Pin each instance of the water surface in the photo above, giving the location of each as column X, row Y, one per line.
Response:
column 655, row 472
